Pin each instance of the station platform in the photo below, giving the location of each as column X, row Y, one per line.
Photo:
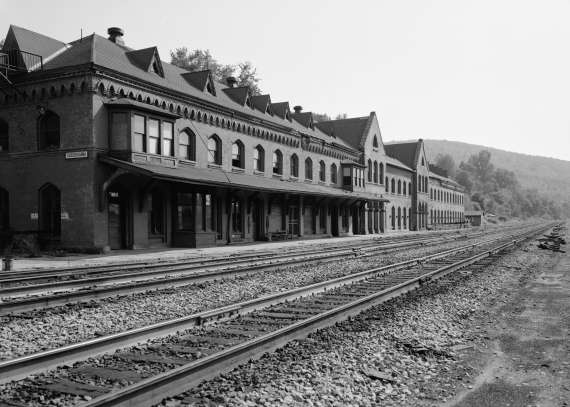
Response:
column 147, row 256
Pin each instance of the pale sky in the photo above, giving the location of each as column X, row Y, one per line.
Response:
column 489, row 72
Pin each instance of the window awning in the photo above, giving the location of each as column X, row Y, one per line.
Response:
column 216, row 177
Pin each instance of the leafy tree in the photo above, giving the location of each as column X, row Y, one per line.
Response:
column 447, row 163
column 341, row 116
column 199, row 60
column 497, row 190
column 2, row 42
column 321, row 117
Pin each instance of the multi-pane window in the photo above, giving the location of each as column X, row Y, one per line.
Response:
column 48, row 131
column 309, row 169
column 294, row 166
column 322, row 171
column 333, row 174
column 167, row 139
column 346, row 176
column 236, row 216
column 381, row 175
column 237, row 155
column 186, row 144
column 184, row 211
column 139, row 136
column 153, row 136
column 277, row 162
column 214, row 153
column 386, row 185
column 258, row 159
column 370, row 171
column 375, row 172
column 4, row 141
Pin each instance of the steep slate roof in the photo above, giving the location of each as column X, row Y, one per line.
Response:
column 404, row 152
column 352, row 130
column 260, row 102
column 99, row 51
column 304, row 118
column 281, row 109
column 198, row 79
column 238, row 95
column 32, row 42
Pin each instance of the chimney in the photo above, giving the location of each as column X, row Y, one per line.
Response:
column 298, row 109
column 231, row 81
column 116, row 35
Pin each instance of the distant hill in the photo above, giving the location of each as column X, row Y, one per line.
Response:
column 550, row 176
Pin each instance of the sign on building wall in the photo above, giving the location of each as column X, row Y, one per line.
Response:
column 75, row 154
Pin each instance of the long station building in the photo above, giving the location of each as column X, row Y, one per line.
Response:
column 107, row 147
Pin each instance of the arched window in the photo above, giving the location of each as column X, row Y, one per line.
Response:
column 4, row 210
column 259, row 158
column 393, row 186
column 334, row 178
column 404, row 191
column 308, row 168
column 387, row 184
column 237, row 154
column 48, row 131
column 399, row 186
column 294, row 166
column 381, row 170
column 425, row 184
column 4, row 140
column 214, row 150
column 410, row 188
column 399, row 218
column 404, row 216
column 393, row 218
column 375, row 142
column 50, row 211
column 375, row 172
column 322, row 171
column 420, row 183
column 369, row 170
column 187, row 145
column 277, row 162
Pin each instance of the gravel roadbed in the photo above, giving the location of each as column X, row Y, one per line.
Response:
column 404, row 352
column 36, row 331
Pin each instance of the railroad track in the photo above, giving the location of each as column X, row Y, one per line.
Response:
column 204, row 344
column 17, row 299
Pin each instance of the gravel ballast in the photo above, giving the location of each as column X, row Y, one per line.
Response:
column 36, row 331
column 400, row 353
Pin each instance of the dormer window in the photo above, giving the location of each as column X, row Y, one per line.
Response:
column 155, row 68
column 210, row 88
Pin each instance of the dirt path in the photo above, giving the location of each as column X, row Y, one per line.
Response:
column 525, row 358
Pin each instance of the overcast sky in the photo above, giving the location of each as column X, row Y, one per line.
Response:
column 490, row 72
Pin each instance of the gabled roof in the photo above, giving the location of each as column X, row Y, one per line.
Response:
column 304, row 118
column 238, row 95
column 200, row 80
column 404, row 152
column 101, row 52
column 352, row 130
column 261, row 102
column 146, row 59
column 281, row 109
column 30, row 41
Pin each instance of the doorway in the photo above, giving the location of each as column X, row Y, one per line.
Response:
column 50, row 212
column 117, row 219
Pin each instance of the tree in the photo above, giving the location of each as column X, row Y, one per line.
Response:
column 199, row 60
column 341, row 116
column 2, row 42
column 321, row 117
column 447, row 163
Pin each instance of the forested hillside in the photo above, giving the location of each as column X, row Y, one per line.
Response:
column 548, row 176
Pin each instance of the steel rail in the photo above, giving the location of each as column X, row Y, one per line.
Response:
column 133, row 285
column 24, row 366
column 30, row 275
column 153, row 390
column 167, row 270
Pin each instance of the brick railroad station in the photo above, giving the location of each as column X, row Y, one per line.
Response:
column 107, row 147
